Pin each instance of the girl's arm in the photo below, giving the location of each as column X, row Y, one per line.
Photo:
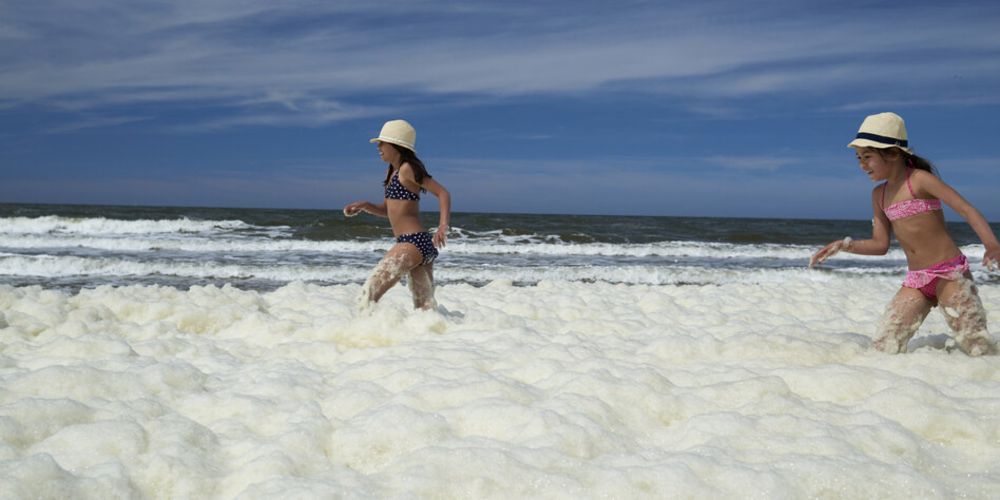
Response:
column 877, row 245
column 881, row 231
column 942, row 191
column 444, row 203
column 407, row 178
column 352, row 209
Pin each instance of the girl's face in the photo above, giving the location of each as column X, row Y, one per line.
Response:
column 874, row 163
column 388, row 153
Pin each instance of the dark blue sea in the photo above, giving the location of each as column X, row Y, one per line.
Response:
column 73, row 247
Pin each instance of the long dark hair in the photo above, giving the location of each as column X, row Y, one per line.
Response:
column 921, row 163
column 406, row 155
column 914, row 161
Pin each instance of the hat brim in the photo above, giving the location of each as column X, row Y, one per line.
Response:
column 390, row 140
column 867, row 143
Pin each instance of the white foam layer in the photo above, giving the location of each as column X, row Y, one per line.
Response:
column 216, row 236
column 46, row 266
column 100, row 225
column 561, row 390
column 190, row 244
column 70, row 251
column 226, row 244
column 52, row 267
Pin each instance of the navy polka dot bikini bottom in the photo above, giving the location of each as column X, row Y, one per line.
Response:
column 423, row 243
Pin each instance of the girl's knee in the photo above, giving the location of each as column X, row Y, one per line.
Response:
column 961, row 307
column 422, row 288
column 386, row 274
column 895, row 331
column 963, row 311
column 901, row 320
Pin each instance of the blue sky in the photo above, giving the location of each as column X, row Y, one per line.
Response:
column 731, row 108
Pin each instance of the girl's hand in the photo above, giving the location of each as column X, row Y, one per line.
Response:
column 352, row 209
column 440, row 236
column 829, row 251
column 991, row 259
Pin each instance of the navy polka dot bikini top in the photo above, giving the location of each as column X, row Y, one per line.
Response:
column 396, row 191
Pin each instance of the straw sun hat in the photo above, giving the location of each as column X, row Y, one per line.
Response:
column 884, row 130
column 398, row 132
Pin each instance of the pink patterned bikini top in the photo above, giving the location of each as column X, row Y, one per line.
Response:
column 906, row 208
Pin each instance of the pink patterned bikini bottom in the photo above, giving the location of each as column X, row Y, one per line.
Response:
column 926, row 280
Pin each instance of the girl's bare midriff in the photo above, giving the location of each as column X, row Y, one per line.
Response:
column 924, row 240
column 404, row 216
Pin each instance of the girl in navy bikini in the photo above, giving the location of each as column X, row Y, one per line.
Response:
column 415, row 248
column 908, row 204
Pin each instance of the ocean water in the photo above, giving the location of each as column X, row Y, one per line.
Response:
column 73, row 247
column 218, row 353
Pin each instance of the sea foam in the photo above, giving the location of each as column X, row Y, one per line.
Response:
column 558, row 390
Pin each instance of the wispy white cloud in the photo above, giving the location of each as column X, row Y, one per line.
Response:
column 925, row 101
column 284, row 109
column 752, row 163
column 95, row 122
column 322, row 61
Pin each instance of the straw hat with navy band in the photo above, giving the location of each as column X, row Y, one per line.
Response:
column 398, row 132
column 884, row 130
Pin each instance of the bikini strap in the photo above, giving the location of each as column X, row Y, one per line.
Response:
column 882, row 205
column 909, row 186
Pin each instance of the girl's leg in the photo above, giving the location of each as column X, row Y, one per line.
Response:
column 964, row 313
column 422, row 286
column 901, row 319
column 397, row 261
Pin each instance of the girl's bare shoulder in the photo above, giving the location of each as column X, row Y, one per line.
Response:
column 924, row 181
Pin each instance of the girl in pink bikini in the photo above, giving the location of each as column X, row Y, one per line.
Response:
column 908, row 204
